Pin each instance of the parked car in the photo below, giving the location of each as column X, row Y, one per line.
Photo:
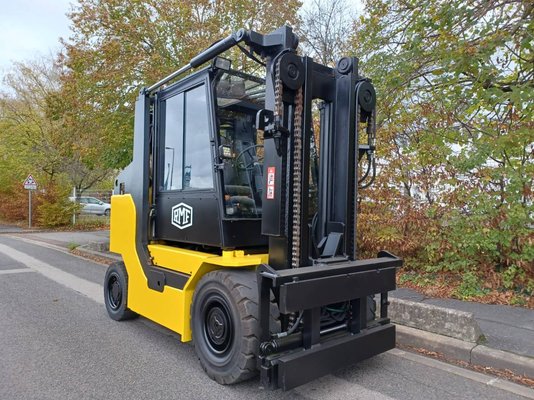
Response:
column 92, row 205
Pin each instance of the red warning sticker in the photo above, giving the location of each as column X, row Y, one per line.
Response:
column 271, row 171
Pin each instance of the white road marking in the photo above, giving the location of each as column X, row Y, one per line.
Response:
column 80, row 285
column 333, row 388
column 15, row 271
column 40, row 243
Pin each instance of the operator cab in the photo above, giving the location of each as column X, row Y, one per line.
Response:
column 208, row 164
column 238, row 99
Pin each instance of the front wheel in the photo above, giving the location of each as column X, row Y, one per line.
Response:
column 224, row 318
column 116, row 292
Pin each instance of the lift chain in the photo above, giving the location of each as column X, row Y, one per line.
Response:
column 297, row 182
column 278, row 96
column 297, row 159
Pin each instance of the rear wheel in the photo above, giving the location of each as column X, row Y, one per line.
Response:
column 225, row 325
column 107, row 213
column 116, row 292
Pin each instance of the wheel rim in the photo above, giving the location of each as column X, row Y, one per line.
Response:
column 218, row 326
column 114, row 292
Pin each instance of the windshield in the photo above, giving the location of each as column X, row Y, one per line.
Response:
column 239, row 98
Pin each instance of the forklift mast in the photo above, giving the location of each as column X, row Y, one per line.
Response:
column 347, row 99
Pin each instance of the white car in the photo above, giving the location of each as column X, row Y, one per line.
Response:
column 92, row 205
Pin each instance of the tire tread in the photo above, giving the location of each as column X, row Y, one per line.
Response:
column 241, row 285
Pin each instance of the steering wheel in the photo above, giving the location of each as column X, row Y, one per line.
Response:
column 247, row 150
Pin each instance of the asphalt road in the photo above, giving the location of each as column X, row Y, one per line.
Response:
column 57, row 342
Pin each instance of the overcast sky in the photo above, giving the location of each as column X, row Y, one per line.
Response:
column 30, row 28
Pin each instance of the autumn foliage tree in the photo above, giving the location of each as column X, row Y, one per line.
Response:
column 71, row 118
column 117, row 47
column 37, row 136
column 455, row 82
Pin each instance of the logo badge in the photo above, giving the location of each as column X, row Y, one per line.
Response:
column 182, row 216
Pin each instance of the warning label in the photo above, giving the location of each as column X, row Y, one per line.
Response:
column 271, row 171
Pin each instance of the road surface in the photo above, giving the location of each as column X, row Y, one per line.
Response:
column 57, row 342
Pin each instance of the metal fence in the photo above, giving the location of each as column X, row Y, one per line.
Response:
column 85, row 218
column 102, row 195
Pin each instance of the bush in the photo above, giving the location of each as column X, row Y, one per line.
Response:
column 471, row 286
column 55, row 209
column 14, row 203
column 488, row 240
column 484, row 244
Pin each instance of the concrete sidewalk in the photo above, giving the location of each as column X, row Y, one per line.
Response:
column 507, row 341
column 508, row 331
column 68, row 239
column 5, row 228
column 504, row 327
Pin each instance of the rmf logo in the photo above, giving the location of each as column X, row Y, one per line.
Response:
column 182, row 216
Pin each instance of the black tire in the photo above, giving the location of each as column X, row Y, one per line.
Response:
column 116, row 292
column 107, row 213
column 224, row 319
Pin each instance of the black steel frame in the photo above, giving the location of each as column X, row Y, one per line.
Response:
column 331, row 274
column 311, row 353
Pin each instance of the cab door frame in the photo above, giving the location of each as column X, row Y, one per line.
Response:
column 203, row 228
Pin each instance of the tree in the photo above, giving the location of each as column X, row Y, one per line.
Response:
column 117, row 47
column 325, row 30
column 455, row 82
column 39, row 129
column 28, row 135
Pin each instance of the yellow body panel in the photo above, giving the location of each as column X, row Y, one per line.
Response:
column 170, row 308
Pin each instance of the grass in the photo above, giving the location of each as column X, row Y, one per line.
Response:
column 85, row 222
column 72, row 246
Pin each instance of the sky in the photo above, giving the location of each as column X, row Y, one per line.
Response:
column 32, row 28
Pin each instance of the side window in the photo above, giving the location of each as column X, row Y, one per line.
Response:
column 198, row 170
column 187, row 157
column 174, row 143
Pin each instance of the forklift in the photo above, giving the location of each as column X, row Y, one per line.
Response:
column 236, row 219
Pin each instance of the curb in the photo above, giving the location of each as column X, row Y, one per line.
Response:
column 484, row 355
column 431, row 318
column 83, row 251
column 21, row 232
column 471, row 353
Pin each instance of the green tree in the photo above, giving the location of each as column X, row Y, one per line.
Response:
column 41, row 130
column 455, row 83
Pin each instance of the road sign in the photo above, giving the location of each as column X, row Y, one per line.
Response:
column 29, row 183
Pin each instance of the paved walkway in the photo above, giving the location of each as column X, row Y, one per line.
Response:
column 505, row 328
column 70, row 239
column 10, row 229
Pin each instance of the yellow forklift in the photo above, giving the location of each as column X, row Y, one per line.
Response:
column 237, row 226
